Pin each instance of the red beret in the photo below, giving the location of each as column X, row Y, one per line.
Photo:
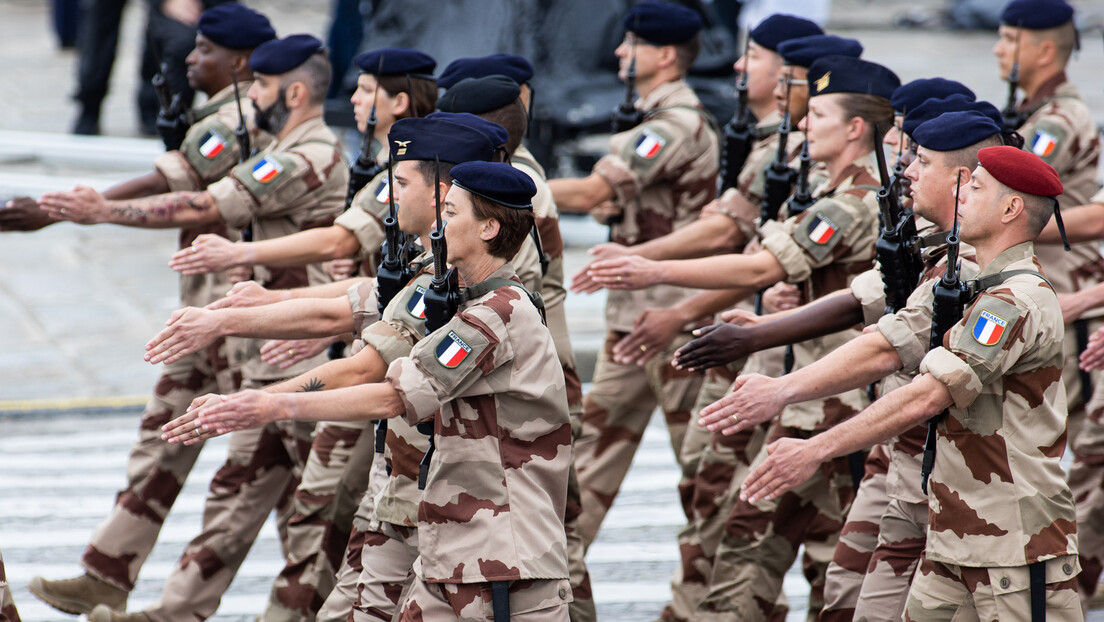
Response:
column 1020, row 170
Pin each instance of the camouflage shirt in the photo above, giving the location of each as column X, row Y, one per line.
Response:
column 494, row 500
column 210, row 149
column 364, row 219
column 296, row 184
column 662, row 172
column 998, row 493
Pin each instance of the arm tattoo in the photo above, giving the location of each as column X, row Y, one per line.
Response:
column 164, row 210
column 313, row 385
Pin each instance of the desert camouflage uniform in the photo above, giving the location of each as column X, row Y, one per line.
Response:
column 711, row 463
column 8, row 612
column 156, row 470
column 662, row 172
column 998, row 495
column 821, row 250
column 307, row 190
column 364, row 218
column 493, row 506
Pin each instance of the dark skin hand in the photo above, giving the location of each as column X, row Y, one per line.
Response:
column 23, row 214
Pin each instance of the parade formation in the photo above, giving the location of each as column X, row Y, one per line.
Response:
column 870, row 314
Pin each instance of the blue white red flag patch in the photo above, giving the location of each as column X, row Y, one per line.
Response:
column 383, row 192
column 416, row 305
column 266, row 170
column 1044, row 143
column 212, row 145
column 988, row 328
column 452, row 350
column 821, row 229
column 649, row 144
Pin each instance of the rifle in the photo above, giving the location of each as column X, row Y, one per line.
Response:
column 780, row 178
column 738, row 137
column 245, row 151
column 950, row 298
column 172, row 120
column 365, row 168
column 1013, row 119
column 625, row 116
column 899, row 166
column 802, row 198
column 898, row 247
column 390, row 278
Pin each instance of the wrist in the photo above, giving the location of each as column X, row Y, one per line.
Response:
column 243, row 254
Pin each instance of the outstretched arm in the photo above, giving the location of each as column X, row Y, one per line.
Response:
column 581, row 194
column 178, row 209
column 733, row 271
column 212, row 253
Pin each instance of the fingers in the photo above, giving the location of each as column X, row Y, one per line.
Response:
column 582, row 283
column 634, row 349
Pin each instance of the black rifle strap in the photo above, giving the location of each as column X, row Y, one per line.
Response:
column 933, row 239
column 500, row 600
column 1081, row 330
column 1037, row 576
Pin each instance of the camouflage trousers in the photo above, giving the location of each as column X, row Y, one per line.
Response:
column 902, row 534
column 155, row 469
column 334, row 480
column 1086, row 481
column 760, row 542
column 944, row 592
column 8, row 612
column 264, row 466
column 530, row 601
column 615, row 412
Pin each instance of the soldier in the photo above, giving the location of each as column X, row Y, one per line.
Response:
column 657, row 177
column 8, row 612
column 120, row 545
column 458, row 375
column 296, row 184
column 1002, row 540
column 821, row 249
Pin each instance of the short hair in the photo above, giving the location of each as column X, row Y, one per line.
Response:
column 315, row 73
column 421, row 91
column 444, row 169
column 967, row 156
column 1039, row 210
column 687, row 52
column 514, row 118
column 1063, row 36
column 514, row 225
column 872, row 109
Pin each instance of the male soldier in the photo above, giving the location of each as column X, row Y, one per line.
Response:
column 120, row 545
column 1002, row 540
column 657, row 177
column 295, row 184
column 8, row 613
column 821, row 249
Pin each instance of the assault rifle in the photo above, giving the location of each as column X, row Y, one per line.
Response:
column 245, row 150
column 898, row 246
column 780, row 178
column 172, row 119
column 390, row 277
column 1013, row 119
column 626, row 116
column 802, row 198
column 738, row 135
column 365, row 168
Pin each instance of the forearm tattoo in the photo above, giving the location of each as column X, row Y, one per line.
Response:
column 313, row 385
column 163, row 209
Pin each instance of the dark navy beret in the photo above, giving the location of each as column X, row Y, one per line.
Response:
column 911, row 95
column 493, row 131
column 497, row 182
column 282, row 55
column 1036, row 14
column 955, row 130
column 780, row 27
column 422, row 138
column 662, row 23
column 804, row 51
column 515, row 67
column 479, row 95
column 396, row 62
column 1021, row 170
column 236, row 26
column 844, row 74
column 932, row 108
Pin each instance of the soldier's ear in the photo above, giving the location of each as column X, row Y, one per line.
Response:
column 488, row 229
column 400, row 104
column 1012, row 208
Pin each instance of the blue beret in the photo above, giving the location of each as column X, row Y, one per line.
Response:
column 911, row 95
column 282, row 55
column 844, row 74
column 236, row 26
column 493, row 131
column 804, row 51
column 1036, row 14
column 396, row 62
column 497, row 182
column 422, row 138
column 479, row 95
column 662, row 23
column 955, row 130
column 510, row 65
column 932, row 108
column 781, row 27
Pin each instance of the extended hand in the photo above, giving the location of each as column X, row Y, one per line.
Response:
column 189, row 330
column 239, row 274
column 247, row 294
column 208, row 253
column 1093, row 356
column 789, row 463
column 754, row 399
column 716, row 345
column 23, row 214
column 227, row 413
column 652, row 333
column 781, row 297
column 341, row 269
column 286, row 352
column 629, row 272
column 81, row 205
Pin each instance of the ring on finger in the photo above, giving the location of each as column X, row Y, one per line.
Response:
column 643, row 348
column 291, row 352
column 736, row 418
column 618, row 276
column 197, row 432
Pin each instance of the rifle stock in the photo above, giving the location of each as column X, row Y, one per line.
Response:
column 738, row 137
column 897, row 248
column 779, row 177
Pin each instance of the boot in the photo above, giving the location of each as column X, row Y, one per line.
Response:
column 103, row 613
column 78, row 595
column 88, row 121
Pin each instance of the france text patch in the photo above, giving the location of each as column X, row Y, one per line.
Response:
column 416, row 304
column 649, row 144
column 821, row 229
column 266, row 169
column 988, row 328
column 383, row 192
column 212, row 144
column 452, row 350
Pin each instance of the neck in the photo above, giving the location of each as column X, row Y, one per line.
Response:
column 381, row 132
column 479, row 269
column 837, row 165
column 1033, row 83
column 987, row 250
column 645, row 87
column 762, row 110
column 298, row 117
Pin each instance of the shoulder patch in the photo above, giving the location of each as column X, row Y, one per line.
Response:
column 415, row 305
column 209, row 147
column 451, row 351
column 645, row 146
column 822, row 229
column 382, row 192
column 267, row 169
column 988, row 328
column 649, row 144
column 1047, row 139
column 265, row 173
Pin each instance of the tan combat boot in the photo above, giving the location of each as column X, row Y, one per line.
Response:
column 78, row 595
column 103, row 613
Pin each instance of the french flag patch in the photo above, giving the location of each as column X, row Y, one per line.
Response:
column 383, row 192
column 416, row 305
column 649, row 144
column 212, row 145
column 988, row 328
column 452, row 350
column 1044, row 143
column 821, row 230
column 266, row 170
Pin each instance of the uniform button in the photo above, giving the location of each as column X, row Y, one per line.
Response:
column 1066, row 568
column 1004, row 583
column 563, row 593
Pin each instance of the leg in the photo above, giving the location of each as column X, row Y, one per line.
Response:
column 582, row 607
column 939, row 594
column 386, row 561
column 1086, row 480
column 902, row 532
column 98, row 40
column 994, row 602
